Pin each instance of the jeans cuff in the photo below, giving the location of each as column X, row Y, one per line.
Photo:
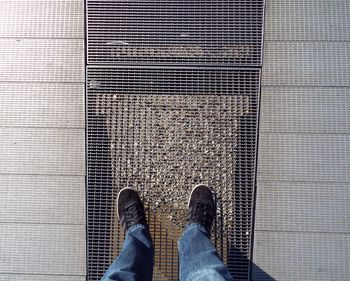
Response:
column 135, row 227
column 194, row 225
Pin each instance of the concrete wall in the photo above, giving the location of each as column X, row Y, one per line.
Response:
column 302, row 229
column 42, row 154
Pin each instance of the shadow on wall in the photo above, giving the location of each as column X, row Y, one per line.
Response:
column 238, row 258
column 260, row 275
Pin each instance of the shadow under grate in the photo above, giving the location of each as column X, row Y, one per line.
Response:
column 161, row 131
column 178, row 32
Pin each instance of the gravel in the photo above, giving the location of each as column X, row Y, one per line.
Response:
column 163, row 145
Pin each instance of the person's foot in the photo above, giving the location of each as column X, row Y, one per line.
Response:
column 201, row 207
column 130, row 208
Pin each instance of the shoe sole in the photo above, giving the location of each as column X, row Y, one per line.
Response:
column 118, row 198
column 189, row 199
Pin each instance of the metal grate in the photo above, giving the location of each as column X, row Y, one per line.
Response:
column 175, row 32
column 162, row 130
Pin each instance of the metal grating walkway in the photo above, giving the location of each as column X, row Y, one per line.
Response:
column 175, row 32
column 163, row 128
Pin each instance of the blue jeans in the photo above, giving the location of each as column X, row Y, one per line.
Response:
column 199, row 260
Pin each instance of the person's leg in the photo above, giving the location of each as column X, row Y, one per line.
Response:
column 199, row 260
column 135, row 261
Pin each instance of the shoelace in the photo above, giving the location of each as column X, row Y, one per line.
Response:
column 201, row 212
column 131, row 215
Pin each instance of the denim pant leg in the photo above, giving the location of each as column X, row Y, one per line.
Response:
column 135, row 261
column 199, row 260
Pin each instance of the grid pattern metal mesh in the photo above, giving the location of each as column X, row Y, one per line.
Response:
column 175, row 32
column 163, row 130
